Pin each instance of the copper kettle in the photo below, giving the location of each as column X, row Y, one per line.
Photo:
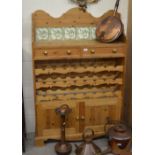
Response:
column 119, row 134
column 119, row 138
column 87, row 147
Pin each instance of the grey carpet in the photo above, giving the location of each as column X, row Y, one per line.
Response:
column 48, row 148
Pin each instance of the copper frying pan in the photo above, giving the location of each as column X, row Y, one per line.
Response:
column 110, row 28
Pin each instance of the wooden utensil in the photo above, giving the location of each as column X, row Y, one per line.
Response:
column 110, row 28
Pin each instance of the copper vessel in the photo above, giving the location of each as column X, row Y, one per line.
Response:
column 119, row 134
column 110, row 28
column 119, row 140
column 87, row 147
column 62, row 147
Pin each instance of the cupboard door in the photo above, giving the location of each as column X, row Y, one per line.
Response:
column 48, row 122
column 96, row 116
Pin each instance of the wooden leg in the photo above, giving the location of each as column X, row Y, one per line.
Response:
column 39, row 142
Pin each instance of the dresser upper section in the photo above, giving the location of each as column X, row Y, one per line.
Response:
column 71, row 36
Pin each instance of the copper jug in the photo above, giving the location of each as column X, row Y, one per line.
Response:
column 87, row 147
column 119, row 138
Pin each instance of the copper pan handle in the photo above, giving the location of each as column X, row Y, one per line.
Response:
column 116, row 7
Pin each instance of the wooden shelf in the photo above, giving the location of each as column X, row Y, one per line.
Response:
column 105, row 88
column 78, row 70
column 79, row 43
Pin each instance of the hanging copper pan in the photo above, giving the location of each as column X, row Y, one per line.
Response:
column 110, row 28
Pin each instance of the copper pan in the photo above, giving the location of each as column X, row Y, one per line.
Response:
column 110, row 28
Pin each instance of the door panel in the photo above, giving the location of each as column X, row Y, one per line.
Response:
column 48, row 121
column 96, row 115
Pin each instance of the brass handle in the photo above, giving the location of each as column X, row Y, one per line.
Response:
column 92, row 51
column 77, row 118
column 45, row 53
column 68, row 52
column 114, row 50
column 82, row 118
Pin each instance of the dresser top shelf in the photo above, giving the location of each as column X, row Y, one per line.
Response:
column 80, row 43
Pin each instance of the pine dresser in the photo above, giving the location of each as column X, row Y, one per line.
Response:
column 71, row 67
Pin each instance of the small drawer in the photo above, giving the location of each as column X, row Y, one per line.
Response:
column 56, row 53
column 103, row 52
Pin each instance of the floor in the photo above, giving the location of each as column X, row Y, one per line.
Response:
column 48, row 149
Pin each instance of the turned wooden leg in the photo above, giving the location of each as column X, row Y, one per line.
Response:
column 39, row 142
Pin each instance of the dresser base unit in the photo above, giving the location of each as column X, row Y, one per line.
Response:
column 75, row 70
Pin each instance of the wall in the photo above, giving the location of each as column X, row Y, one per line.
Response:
column 56, row 8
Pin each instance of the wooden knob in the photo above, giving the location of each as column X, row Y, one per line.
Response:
column 92, row 51
column 68, row 52
column 45, row 53
column 114, row 50
column 82, row 118
column 77, row 118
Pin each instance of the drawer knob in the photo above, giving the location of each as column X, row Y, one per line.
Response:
column 45, row 52
column 114, row 50
column 69, row 52
column 82, row 118
column 92, row 51
column 77, row 118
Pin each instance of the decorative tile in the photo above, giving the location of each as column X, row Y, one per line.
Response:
column 70, row 33
column 65, row 33
column 42, row 34
column 92, row 33
column 56, row 34
column 83, row 33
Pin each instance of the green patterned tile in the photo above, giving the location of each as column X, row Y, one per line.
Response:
column 69, row 33
column 83, row 33
column 42, row 34
column 56, row 34
column 65, row 33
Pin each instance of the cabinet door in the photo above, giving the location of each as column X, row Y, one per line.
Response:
column 48, row 122
column 96, row 116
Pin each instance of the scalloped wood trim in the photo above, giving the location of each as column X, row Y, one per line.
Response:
column 74, row 16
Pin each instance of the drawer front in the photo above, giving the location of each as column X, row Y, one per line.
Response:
column 103, row 52
column 56, row 53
